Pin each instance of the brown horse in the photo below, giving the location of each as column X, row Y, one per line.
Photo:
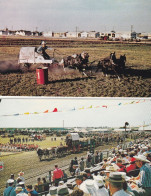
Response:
column 113, row 64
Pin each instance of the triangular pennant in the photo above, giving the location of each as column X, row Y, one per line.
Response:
column 26, row 113
column 55, row 110
column 104, row 106
column 46, row 111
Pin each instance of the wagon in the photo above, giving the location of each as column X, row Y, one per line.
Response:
column 29, row 56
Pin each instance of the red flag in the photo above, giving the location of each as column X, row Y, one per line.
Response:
column 55, row 110
column 104, row 106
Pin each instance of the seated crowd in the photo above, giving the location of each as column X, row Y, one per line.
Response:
column 123, row 173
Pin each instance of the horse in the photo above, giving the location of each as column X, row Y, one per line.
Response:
column 40, row 153
column 76, row 61
column 112, row 63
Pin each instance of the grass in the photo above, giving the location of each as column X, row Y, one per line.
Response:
column 43, row 144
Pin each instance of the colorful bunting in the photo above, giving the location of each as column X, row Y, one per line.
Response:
column 82, row 108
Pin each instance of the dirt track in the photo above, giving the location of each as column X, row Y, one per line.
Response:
column 72, row 83
column 30, row 164
column 135, row 83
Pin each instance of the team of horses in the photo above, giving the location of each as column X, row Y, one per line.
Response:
column 107, row 64
column 51, row 153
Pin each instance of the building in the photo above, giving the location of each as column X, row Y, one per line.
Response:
column 47, row 34
column 72, row 34
column 123, row 35
column 59, row 34
column 93, row 34
column 84, row 34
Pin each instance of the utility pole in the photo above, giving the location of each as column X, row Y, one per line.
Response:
column 76, row 32
column 132, row 28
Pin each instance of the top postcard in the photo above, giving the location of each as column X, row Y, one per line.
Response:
column 76, row 48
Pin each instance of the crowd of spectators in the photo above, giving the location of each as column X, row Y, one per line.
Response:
column 17, row 147
column 124, row 172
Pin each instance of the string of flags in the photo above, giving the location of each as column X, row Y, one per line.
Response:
column 79, row 108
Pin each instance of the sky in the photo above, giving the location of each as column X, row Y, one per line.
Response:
column 73, row 112
column 66, row 15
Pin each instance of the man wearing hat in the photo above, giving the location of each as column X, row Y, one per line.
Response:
column 22, row 184
column 116, row 184
column 63, row 190
column 12, row 177
column 10, row 190
column 99, row 184
column 19, row 191
column 42, row 50
column 144, row 176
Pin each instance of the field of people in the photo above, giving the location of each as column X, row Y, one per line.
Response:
column 135, row 83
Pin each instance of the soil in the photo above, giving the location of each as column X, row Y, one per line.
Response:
column 71, row 83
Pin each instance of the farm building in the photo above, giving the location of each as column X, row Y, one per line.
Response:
column 107, row 35
column 59, row 34
column 72, row 34
column 23, row 33
column 123, row 35
column 93, row 34
column 84, row 34
column 47, row 34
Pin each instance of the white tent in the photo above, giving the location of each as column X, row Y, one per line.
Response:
column 145, row 128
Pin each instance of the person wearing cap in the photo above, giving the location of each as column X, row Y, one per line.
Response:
column 116, row 184
column 144, row 176
column 10, row 190
column 63, row 190
column 31, row 191
column 22, row 184
column 108, row 170
column 99, row 184
column 12, row 177
column 19, row 191
column 57, row 175
column 42, row 50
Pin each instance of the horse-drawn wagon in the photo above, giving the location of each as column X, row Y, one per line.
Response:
column 29, row 56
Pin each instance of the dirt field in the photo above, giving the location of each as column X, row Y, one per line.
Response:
column 135, row 83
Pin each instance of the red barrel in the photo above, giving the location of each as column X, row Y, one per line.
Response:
column 42, row 75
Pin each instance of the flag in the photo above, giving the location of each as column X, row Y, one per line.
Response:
column 55, row 110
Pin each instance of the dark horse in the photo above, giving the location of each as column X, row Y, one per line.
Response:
column 112, row 63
